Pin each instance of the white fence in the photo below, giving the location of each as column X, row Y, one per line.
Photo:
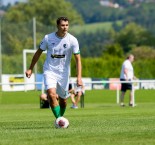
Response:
column 135, row 85
column 117, row 83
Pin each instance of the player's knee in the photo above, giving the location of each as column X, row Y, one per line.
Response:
column 52, row 97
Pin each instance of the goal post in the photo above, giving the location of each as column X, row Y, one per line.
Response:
column 25, row 52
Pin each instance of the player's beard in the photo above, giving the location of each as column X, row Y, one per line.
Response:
column 65, row 32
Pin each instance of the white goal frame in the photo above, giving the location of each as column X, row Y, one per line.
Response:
column 25, row 52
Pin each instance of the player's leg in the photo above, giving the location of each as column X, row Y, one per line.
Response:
column 79, row 94
column 53, row 101
column 63, row 104
column 73, row 98
column 63, row 85
column 130, row 98
column 50, row 81
column 74, row 105
column 122, row 98
column 131, row 95
column 123, row 90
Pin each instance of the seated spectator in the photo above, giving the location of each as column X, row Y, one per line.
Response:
column 76, row 94
column 44, row 101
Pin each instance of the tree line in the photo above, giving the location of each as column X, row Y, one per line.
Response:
column 102, row 51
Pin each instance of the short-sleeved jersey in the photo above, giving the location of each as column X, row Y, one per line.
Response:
column 127, row 65
column 59, row 52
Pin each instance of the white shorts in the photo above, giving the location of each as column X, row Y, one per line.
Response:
column 51, row 80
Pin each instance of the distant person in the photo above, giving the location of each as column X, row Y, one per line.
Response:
column 127, row 74
column 44, row 101
column 75, row 96
column 60, row 46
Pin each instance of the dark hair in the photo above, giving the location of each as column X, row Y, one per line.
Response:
column 62, row 18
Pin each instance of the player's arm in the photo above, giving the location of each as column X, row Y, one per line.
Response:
column 78, row 69
column 33, row 62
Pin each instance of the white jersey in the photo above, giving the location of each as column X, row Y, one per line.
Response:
column 59, row 52
column 127, row 65
column 57, row 64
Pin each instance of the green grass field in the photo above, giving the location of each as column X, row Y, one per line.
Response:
column 101, row 122
column 91, row 28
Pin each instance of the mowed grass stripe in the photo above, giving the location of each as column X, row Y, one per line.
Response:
column 102, row 121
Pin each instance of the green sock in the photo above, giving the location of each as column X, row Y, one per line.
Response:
column 56, row 111
column 62, row 111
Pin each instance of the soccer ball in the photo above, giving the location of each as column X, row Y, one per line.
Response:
column 61, row 122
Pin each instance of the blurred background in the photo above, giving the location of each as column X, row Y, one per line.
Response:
column 107, row 30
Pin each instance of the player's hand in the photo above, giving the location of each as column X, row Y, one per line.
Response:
column 79, row 82
column 28, row 73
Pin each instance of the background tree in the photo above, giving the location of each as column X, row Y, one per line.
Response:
column 93, row 11
column 114, row 50
column 17, row 25
column 143, row 15
column 103, row 50
column 17, row 28
column 133, row 35
column 45, row 11
column 93, row 44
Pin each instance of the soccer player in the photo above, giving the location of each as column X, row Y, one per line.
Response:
column 60, row 46
column 127, row 74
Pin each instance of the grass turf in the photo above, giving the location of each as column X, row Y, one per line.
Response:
column 102, row 121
